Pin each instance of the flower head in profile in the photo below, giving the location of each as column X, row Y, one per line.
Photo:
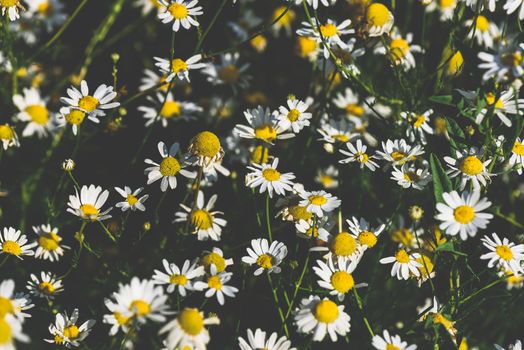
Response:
column 66, row 332
column 168, row 110
column 387, row 342
column 265, row 256
column 404, row 264
column 12, row 327
column 11, row 303
column 49, row 243
column 336, row 275
column 8, row 136
column 470, row 167
column 215, row 257
column 13, row 242
column 47, row 286
column 263, row 125
column 503, row 253
column 12, row 8
column 206, row 148
column 181, row 12
column 363, row 232
column 88, row 204
column 379, row 20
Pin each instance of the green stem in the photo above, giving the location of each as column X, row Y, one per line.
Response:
column 6, row 257
column 486, row 287
column 268, row 220
column 277, row 302
column 361, row 308
column 211, row 24
column 107, row 231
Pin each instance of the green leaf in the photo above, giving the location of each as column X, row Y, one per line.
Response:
column 449, row 247
column 441, row 181
column 446, row 100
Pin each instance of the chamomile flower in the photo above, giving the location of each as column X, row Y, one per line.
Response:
column 308, row 229
column 340, row 245
column 504, row 65
column 14, row 243
column 400, row 50
column 350, row 103
column 178, row 68
column 418, row 125
column 152, row 79
column 334, row 132
column 169, row 167
column 47, row 286
column 180, row 12
column 263, row 125
column 516, row 346
column 147, row 5
column 215, row 257
column 188, row 330
column 320, row 316
column 265, row 256
column 34, row 112
column 404, row 264
column 502, row 105
column 363, row 232
column 11, row 331
column 379, row 20
column 329, row 35
column 446, row 8
column 49, row 12
column 463, row 213
column 399, row 152
column 337, row 276
column 314, row 3
column 204, row 222
column 269, row 178
column 358, row 154
column 517, row 155
column 284, row 17
column 410, row 176
column 88, row 204
column 177, row 278
column 74, row 117
column 328, row 177
column 436, row 315
column 8, row 136
column 168, row 109
column 206, row 148
column 469, row 167
column 387, row 342
column 49, row 247
column 228, row 71
column 12, row 7
column 66, row 332
column 512, row 6
column 216, row 284
column 319, row 202
column 480, row 5
column 11, row 303
column 485, row 31
column 257, row 340
column 93, row 105
column 132, row 200
column 512, row 280
column 294, row 116
column 503, row 253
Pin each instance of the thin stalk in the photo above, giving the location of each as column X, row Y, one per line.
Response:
column 361, row 308
column 268, row 220
column 108, row 233
column 277, row 302
column 211, row 24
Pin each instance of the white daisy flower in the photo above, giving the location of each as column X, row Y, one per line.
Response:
column 505, row 104
column 215, row 257
column 469, row 167
column 387, row 342
column 358, row 154
column 400, row 50
column 151, row 79
column 257, row 340
column 294, row 116
column 13, row 329
column 410, row 176
column 204, row 222
column 350, row 103
column 47, row 286
column 13, row 304
column 269, row 178
column 93, row 105
column 216, row 284
column 178, row 67
column 463, row 213
column 480, row 5
column 319, row 202
column 516, row 346
column 66, row 332
column 307, row 228
column 188, row 330
column 503, row 253
column 13, row 242
column 485, row 31
column 89, row 203
column 404, row 264
column 132, row 200
column 168, row 109
column 8, row 136
column 379, row 20
column 329, row 35
column 505, row 64
column 74, row 117
column 418, row 125
column 176, row 278
column 34, row 112
column 512, row 6
column 137, row 302
column 517, row 155
column 49, row 12
column 445, row 9
column 263, row 125
column 12, row 7
column 336, row 132
column 180, row 12
column 338, row 279
column 399, row 152
column 168, row 168
column 328, row 177
column 321, row 316
column 147, row 5
column 362, row 231
column 227, row 71
column 314, row 3
column 265, row 256
column 49, row 247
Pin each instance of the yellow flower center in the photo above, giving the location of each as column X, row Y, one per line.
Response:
column 464, row 214
column 121, row 319
column 490, row 99
column 71, row 332
column 343, row 244
column 265, row 261
column 441, row 127
column 317, row 200
column 170, row 109
column 214, row 282
column 8, row 3
column 266, row 132
column 75, row 117
column 328, row 30
column 504, row 252
column 427, row 266
column 419, row 121
column 518, row 148
column 326, row 311
column 446, row 3
column 341, row 137
column 58, row 339
column 403, row 236
column 398, row 49
column 45, row 8
column 367, row 238
column 141, row 307
column 299, row 213
column 361, row 157
column 271, row 174
column 471, row 166
column 482, row 23
column 512, row 59
column 438, row 318
column 191, row 321
column 89, row 210
column 6, row 307
column 178, row 65
column 6, row 132
column 6, row 334
column 49, row 241
column 259, row 43
column 257, row 157
column 377, row 15
column 88, row 103
column 455, row 63
column 286, row 19
column 169, row 166
column 206, row 144
column 342, row 281
column 46, row 288
column 305, row 46
column 326, row 180
column 178, row 11
column 293, row 115
column 201, row 219
column 402, row 256
column 397, row 155
column 392, row 347
column 38, row 113
column 131, row 200
column 229, row 73
column 11, row 247
column 178, row 279
column 215, row 259
column 355, row 110
column 411, row 176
